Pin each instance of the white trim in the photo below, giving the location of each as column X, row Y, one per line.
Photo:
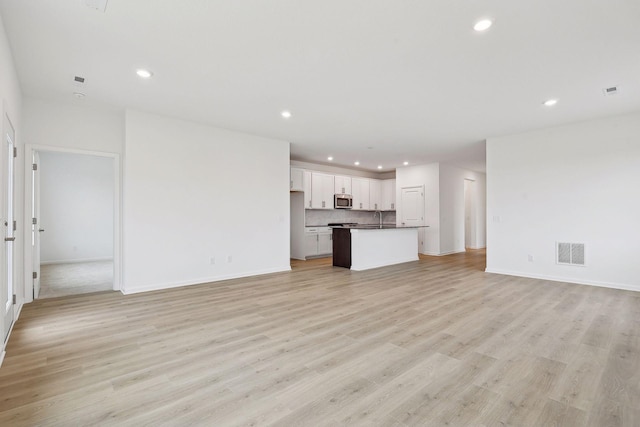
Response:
column 201, row 281
column 2, row 357
column 621, row 286
column 443, row 253
column 76, row 261
column 117, row 212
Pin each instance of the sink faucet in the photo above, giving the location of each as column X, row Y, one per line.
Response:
column 380, row 213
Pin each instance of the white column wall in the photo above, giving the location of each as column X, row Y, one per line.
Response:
column 429, row 177
column 576, row 183
column 201, row 204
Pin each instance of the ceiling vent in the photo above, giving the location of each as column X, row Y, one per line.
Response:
column 100, row 5
column 611, row 90
column 78, row 79
column 570, row 253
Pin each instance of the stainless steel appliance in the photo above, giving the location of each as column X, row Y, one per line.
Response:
column 343, row 201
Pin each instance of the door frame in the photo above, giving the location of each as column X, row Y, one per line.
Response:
column 469, row 193
column 117, row 213
column 9, row 256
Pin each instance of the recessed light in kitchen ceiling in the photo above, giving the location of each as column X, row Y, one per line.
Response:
column 379, row 166
column 483, row 25
column 145, row 74
column 286, row 114
column 330, row 158
column 550, row 102
column 356, row 163
column 406, row 163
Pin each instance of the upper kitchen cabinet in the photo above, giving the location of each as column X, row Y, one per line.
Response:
column 389, row 195
column 322, row 191
column 360, row 193
column 342, row 184
column 296, row 179
column 375, row 195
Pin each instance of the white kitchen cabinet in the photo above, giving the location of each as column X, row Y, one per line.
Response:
column 322, row 186
column 375, row 194
column 342, row 184
column 318, row 241
column 310, row 244
column 296, row 179
column 360, row 193
column 389, row 195
column 325, row 243
column 307, row 189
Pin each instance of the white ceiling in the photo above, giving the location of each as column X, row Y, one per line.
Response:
column 370, row 80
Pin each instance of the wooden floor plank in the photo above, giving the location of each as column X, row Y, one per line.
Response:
column 431, row 342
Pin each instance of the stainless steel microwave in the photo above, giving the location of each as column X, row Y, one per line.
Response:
column 343, row 201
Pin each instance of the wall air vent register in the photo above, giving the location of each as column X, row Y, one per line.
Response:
column 570, row 253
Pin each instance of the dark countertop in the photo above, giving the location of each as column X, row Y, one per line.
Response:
column 377, row 227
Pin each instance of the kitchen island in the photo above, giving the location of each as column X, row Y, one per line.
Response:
column 362, row 247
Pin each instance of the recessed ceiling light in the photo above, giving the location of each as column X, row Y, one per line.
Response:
column 356, row 163
column 550, row 102
column 330, row 158
column 145, row 74
column 483, row 25
column 379, row 166
column 405, row 163
column 286, row 114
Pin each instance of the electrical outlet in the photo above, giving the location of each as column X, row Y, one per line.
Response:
column 530, row 258
column 212, row 260
column 229, row 258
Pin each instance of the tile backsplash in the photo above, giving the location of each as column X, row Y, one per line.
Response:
column 319, row 217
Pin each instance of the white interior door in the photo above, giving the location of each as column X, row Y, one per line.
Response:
column 412, row 199
column 412, row 210
column 6, row 296
column 36, row 227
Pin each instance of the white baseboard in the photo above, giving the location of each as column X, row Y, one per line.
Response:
column 75, row 261
column 441, row 253
column 4, row 344
column 621, row 286
column 168, row 285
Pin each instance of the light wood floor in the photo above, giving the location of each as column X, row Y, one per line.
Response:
column 57, row 280
column 428, row 343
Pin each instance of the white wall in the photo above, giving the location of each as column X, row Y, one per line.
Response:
column 76, row 207
column 73, row 126
column 11, row 105
column 575, row 183
column 192, row 192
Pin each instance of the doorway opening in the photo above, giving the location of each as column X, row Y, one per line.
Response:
column 73, row 223
column 470, row 241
